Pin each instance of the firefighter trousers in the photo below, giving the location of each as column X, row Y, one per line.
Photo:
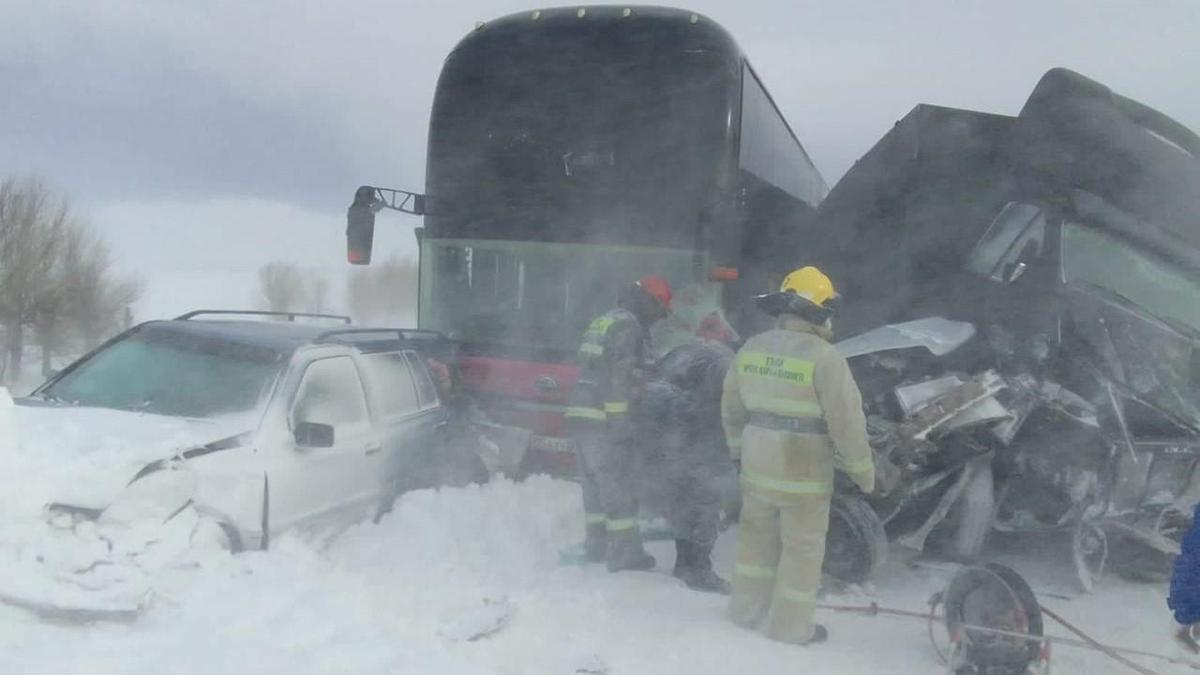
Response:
column 607, row 473
column 781, row 546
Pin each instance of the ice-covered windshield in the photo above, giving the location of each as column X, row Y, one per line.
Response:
column 1164, row 290
column 167, row 373
column 532, row 294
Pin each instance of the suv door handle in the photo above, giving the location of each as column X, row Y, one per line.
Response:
column 373, row 448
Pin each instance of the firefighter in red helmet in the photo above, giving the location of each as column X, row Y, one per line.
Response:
column 610, row 356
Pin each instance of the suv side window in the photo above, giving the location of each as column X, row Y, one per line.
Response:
column 1016, row 236
column 331, row 393
column 426, row 389
column 391, row 384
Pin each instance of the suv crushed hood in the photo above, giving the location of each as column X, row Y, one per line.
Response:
column 85, row 457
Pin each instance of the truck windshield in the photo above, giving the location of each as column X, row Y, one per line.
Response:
column 171, row 374
column 1161, row 289
column 532, row 294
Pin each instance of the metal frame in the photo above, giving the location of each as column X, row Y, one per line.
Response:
column 397, row 334
column 398, row 200
column 291, row 316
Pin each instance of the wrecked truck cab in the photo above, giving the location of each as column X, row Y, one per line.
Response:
column 1069, row 236
column 959, row 455
column 1103, row 303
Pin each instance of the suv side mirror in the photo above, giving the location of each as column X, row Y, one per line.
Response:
column 314, row 435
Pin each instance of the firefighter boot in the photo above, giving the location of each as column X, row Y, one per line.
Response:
column 625, row 551
column 683, row 559
column 700, row 575
column 819, row 634
column 595, row 543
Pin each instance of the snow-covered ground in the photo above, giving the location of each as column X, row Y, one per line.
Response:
column 380, row 597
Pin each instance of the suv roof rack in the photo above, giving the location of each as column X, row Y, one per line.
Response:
column 389, row 334
column 291, row 316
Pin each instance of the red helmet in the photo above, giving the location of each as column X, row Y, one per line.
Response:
column 658, row 288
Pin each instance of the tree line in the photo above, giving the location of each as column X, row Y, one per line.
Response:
column 383, row 293
column 58, row 286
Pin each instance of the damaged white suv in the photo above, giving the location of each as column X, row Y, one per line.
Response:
column 188, row 435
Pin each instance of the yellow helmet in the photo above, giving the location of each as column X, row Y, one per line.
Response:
column 811, row 284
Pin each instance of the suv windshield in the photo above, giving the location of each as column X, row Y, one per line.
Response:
column 1162, row 289
column 532, row 294
column 171, row 373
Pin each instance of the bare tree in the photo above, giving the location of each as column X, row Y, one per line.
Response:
column 95, row 299
column 281, row 286
column 318, row 295
column 384, row 292
column 56, row 277
column 31, row 224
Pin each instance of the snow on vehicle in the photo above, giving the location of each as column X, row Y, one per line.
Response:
column 182, row 436
column 572, row 150
column 1068, row 237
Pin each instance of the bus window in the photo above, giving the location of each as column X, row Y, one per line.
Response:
column 769, row 149
column 532, row 294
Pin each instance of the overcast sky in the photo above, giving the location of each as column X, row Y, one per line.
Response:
column 224, row 134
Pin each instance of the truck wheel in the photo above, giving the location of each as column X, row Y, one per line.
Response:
column 856, row 545
column 992, row 596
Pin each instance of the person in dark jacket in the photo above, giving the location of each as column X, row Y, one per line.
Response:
column 1184, row 599
column 610, row 361
column 679, row 421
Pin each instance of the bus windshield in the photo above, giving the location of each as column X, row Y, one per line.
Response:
column 612, row 129
column 532, row 294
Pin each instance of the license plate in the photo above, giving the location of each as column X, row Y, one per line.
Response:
column 551, row 443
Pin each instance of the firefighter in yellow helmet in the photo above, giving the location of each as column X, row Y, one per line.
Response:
column 792, row 413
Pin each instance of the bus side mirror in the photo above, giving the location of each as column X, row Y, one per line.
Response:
column 360, row 227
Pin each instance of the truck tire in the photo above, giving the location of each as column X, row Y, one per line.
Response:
column 992, row 596
column 856, row 545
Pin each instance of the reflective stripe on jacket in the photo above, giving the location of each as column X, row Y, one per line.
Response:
column 794, row 372
column 609, row 355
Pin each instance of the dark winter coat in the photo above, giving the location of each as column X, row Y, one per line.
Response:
column 679, row 411
column 1184, row 599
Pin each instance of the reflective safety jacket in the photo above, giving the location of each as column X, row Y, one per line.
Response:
column 610, row 356
column 792, row 412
